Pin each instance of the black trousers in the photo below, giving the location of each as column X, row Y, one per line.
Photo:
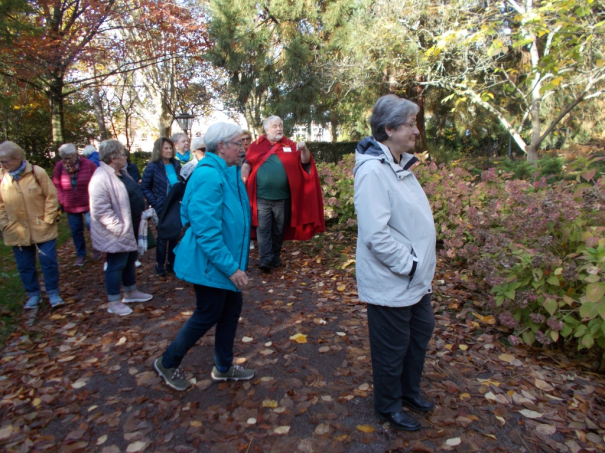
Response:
column 164, row 248
column 399, row 337
column 273, row 216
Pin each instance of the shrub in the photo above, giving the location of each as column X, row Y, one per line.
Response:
column 337, row 185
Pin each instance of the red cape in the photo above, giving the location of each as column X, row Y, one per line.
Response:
column 307, row 208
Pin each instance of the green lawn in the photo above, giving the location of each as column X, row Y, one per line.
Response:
column 12, row 295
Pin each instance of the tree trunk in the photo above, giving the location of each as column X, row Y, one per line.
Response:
column 99, row 114
column 55, row 96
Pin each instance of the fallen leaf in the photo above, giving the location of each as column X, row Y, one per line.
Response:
column 247, row 339
column 251, row 421
column 322, row 429
column 6, row 431
column 80, row 383
column 324, row 349
column 270, row 403
column 531, row 414
column 462, row 347
column 341, row 288
column 137, row 446
column 453, row 442
column 365, row 428
column 299, row 338
column 543, row 385
column 121, row 341
column 547, row 430
column 282, row 430
column 101, row 440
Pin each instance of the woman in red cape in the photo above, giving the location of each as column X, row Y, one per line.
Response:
column 307, row 213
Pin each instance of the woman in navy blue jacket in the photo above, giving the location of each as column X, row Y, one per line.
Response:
column 159, row 176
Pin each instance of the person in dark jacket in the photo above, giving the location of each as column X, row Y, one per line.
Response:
column 91, row 153
column 159, row 176
column 71, row 178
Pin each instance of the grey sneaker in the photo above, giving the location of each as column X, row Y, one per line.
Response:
column 234, row 373
column 80, row 261
column 32, row 302
column 174, row 377
column 55, row 300
column 136, row 296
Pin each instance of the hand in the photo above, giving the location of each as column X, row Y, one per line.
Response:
column 239, row 279
column 301, row 146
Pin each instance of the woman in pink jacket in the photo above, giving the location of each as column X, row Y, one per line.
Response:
column 116, row 205
column 71, row 178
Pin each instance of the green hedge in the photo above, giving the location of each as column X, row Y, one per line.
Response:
column 331, row 152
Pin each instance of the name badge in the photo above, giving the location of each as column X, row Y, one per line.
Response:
column 287, row 149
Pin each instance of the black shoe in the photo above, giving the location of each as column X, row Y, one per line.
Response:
column 400, row 420
column 160, row 270
column 277, row 263
column 418, row 404
column 265, row 268
column 170, row 268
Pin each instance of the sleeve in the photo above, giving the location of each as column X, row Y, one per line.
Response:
column 51, row 203
column 3, row 215
column 147, row 185
column 373, row 208
column 57, row 182
column 100, row 204
column 205, row 210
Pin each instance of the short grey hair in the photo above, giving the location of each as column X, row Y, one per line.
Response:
column 88, row 150
column 177, row 136
column 197, row 143
column 270, row 120
column 220, row 132
column 12, row 150
column 110, row 148
column 68, row 149
column 390, row 111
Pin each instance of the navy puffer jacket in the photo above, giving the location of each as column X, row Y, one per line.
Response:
column 155, row 185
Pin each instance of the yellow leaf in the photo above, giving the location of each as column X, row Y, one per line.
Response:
column 464, row 395
column 489, row 320
column 463, row 347
column 195, row 423
column 478, row 316
column 270, row 403
column 365, row 428
column 299, row 338
column 37, row 402
column 448, row 346
column 341, row 288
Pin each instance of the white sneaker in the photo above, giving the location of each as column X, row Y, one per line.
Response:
column 136, row 296
column 118, row 308
column 137, row 263
column 251, row 245
column 105, row 267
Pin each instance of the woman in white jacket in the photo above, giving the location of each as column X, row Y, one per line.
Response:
column 395, row 259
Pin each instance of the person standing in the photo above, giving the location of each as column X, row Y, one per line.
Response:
column 71, row 177
column 284, row 190
column 28, row 210
column 395, row 259
column 246, row 140
column 213, row 255
column 159, row 176
column 198, row 147
column 116, row 205
column 90, row 152
column 181, row 145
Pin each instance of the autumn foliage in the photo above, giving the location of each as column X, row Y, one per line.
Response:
column 536, row 246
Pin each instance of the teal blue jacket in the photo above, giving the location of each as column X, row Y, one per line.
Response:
column 217, row 243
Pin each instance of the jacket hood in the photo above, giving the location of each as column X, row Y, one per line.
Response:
column 212, row 160
column 369, row 149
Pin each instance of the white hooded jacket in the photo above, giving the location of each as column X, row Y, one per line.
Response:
column 396, row 240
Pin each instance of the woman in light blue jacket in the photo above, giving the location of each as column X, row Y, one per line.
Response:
column 395, row 259
column 213, row 255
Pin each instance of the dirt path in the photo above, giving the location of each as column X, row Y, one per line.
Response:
column 80, row 379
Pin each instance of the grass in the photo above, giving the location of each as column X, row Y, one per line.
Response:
column 12, row 295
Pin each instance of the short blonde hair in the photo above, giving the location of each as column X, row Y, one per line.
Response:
column 12, row 150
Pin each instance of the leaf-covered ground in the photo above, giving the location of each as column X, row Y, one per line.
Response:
column 80, row 379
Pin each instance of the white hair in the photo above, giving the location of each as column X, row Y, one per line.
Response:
column 197, row 143
column 220, row 132
column 68, row 149
column 88, row 150
column 270, row 120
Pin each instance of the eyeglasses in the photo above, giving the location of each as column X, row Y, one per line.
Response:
column 238, row 144
column 412, row 124
column 246, row 139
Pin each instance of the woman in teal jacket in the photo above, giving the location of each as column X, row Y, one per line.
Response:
column 213, row 255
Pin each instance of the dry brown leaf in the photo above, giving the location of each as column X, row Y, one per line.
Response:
column 365, row 428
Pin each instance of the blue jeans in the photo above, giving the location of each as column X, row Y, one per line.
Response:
column 120, row 270
column 26, row 264
column 273, row 217
column 76, row 225
column 213, row 306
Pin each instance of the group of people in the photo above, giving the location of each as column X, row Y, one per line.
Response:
column 235, row 189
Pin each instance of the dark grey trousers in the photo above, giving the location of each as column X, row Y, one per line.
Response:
column 399, row 337
column 273, row 216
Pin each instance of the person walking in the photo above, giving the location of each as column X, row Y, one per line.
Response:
column 28, row 211
column 116, row 206
column 213, row 255
column 395, row 259
column 71, row 177
column 162, row 172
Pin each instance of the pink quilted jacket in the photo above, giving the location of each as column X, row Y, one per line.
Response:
column 74, row 202
column 110, row 218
